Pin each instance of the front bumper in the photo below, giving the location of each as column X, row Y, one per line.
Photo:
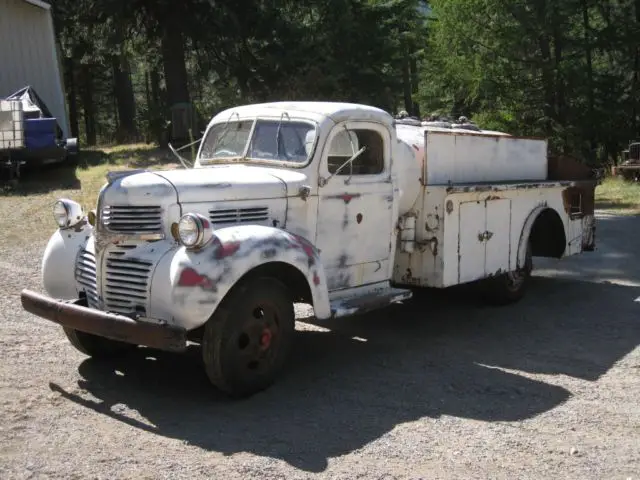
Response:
column 102, row 324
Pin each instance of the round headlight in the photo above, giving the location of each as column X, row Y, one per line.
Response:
column 194, row 230
column 67, row 213
column 61, row 213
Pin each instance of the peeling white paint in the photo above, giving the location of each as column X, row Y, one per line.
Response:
column 341, row 231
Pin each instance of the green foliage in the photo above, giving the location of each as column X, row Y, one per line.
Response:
column 568, row 70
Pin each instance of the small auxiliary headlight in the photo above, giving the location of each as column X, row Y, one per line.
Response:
column 91, row 218
column 67, row 213
column 61, row 213
column 194, row 230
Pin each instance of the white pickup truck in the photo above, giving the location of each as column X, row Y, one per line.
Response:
column 332, row 204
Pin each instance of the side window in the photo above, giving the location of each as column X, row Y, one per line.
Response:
column 346, row 143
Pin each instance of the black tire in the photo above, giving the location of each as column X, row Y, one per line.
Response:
column 510, row 287
column 95, row 346
column 248, row 339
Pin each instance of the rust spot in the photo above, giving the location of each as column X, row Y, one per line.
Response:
column 449, row 206
column 345, row 197
column 190, row 278
column 308, row 249
column 359, row 218
column 316, row 278
column 492, row 197
column 224, row 250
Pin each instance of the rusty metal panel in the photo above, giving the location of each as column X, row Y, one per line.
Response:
column 453, row 158
column 471, row 245
column 497, row 235
column 115, row 327
column 356, row 214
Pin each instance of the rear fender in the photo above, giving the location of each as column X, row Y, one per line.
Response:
column 525, row 234
column 201, row 279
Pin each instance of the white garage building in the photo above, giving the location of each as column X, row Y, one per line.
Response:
column 29, row 55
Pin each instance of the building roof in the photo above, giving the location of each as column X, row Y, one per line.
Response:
column 39, row 3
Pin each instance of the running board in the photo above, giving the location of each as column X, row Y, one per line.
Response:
column 356, row 305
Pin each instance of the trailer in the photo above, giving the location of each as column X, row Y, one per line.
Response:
column 30, row 136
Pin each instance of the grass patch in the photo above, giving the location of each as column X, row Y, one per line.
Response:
column 25, row 209
column 619, row 196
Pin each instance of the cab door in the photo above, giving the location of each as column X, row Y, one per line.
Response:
column 355, row 205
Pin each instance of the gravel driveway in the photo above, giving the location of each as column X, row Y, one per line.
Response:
column 438, row 388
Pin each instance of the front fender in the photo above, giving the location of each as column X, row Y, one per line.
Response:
column 197, row 281
column 59, row 261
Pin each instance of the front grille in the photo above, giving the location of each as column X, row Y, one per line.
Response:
column 126, row 283
column 128, row 219
column 634, row 152
column 239, row 215
column 86, row 276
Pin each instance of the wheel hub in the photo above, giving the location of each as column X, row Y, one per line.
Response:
column 265, row 338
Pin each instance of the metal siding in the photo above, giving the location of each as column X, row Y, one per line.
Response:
column 460, row 158
column 499, row 228
column 471, row 249
column 28, row 55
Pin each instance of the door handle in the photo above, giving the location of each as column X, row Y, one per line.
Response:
column 485, row 236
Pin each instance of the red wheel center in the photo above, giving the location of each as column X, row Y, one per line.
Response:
column 265, row 338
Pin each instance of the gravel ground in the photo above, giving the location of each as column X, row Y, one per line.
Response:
column 438, row 388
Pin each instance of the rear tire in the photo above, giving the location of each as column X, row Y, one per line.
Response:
column 95, row 346
column 248, row 339
column 510, row 287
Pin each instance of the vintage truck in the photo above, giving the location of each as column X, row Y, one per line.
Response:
column 335, row 205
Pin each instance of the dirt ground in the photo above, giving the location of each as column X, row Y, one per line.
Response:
column 440, row 387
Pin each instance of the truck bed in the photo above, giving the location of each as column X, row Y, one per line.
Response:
column 466, row 187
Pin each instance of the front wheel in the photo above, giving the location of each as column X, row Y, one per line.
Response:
column 247, row 341
column 510, row 287
column 95, row 346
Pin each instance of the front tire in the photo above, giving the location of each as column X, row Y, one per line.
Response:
column 95, row 346
column 248, row 339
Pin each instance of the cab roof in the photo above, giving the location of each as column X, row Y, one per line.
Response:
column 316, row 111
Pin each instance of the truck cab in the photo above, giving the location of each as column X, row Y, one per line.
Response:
column 330, row 204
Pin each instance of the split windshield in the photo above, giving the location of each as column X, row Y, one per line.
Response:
column 286, row 141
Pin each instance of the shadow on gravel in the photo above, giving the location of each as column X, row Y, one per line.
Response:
column 437, row 355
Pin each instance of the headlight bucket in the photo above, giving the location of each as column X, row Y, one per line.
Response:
column 67, row 213
column 194, row 231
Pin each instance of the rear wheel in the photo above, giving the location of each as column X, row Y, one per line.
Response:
column 95, row 346
column 247, row 341
column 512, row 286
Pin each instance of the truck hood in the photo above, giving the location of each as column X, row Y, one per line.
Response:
column 208, row 184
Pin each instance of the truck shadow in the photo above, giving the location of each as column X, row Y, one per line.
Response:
column 355, row 380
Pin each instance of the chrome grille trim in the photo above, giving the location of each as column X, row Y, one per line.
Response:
column 132, row 219
column 239, row 215
column 86, row 276
column 126, row 283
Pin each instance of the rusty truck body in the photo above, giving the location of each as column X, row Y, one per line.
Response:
column 331, row 204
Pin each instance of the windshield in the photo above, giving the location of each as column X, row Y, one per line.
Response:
column 287, row 141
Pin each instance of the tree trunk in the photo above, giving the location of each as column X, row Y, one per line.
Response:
column 635, row 88
column 406, row 82
column 87, row 105
column 175, row 73
column 71, row 97
column 123, row 90
column 590, row 93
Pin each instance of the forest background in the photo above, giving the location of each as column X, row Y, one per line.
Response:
column 157, row 71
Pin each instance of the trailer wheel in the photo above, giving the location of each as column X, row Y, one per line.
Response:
column 510, row 287
column 247, row 341
column 95, row 346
